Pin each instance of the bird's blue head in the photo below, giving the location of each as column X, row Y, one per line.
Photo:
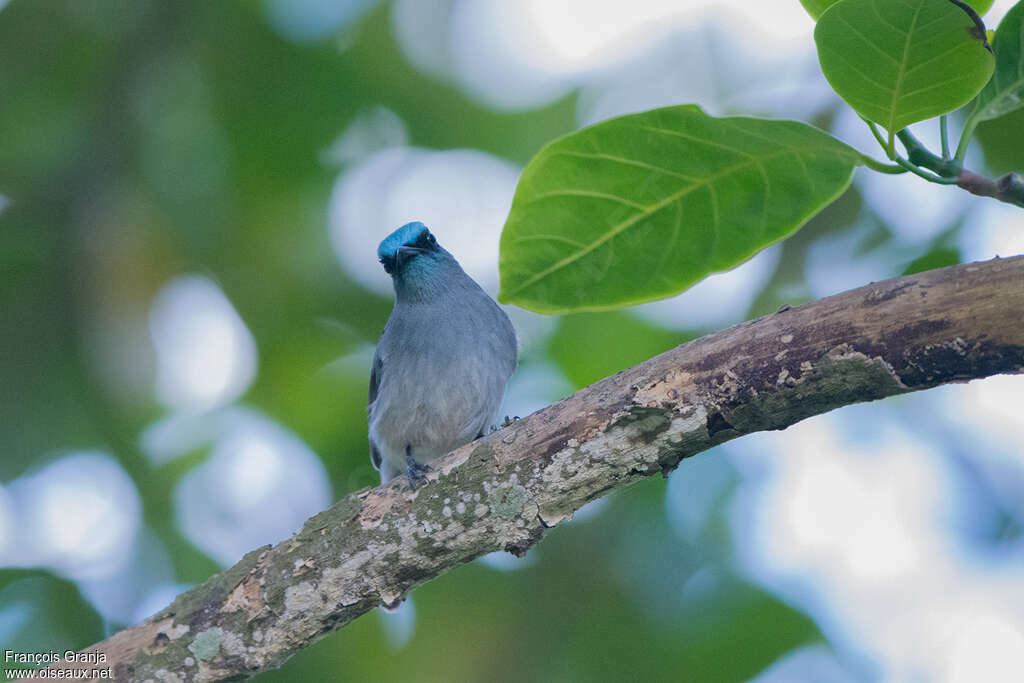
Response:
column 410, row 244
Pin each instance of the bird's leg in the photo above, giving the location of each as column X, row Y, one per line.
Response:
column 413, row 470
column 508, row 421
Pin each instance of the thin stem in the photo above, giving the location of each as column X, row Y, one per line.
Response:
column 930, row 177
column 905, row 136
column 965, row 139
column 878, row 136
column 944, row 133
column 919, row 155
column 876, row 165
column 1009, row 188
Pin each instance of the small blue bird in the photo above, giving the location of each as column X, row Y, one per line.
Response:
column 442, row 362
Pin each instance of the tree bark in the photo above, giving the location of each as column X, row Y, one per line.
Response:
column 504, row 491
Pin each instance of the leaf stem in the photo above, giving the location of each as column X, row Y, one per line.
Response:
column 900, row 161
column 930, row 177
column 965, row 139
column 1009, row 188
column 878, row 136
column 918, row 154
column 944, row 133
column 876, row 165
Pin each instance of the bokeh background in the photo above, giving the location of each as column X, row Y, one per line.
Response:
column 191, row 194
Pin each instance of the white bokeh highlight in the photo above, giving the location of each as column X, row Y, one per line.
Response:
column 716, row 301
column 984, row 420
column 992, row 409
column 258, row 485
column 832, row 264
column 533, row 386
column 157, row 598
column 992, row 229
column 177, row 434
column 304, row 21
column 370, row 131
column 526, row 54
column 808, row 663
column 985, row 646
column 116, row 596
column 732, row 68
column 858, row 529
column 399, row 625
column 78, row 516
column 205, row 355
column 463, row 196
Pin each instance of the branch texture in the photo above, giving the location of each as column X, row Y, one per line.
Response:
column 504, row 491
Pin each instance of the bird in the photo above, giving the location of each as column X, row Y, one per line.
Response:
column 442, row 362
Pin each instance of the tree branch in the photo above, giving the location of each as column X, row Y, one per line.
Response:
column 504, row 491
column 1008, row 188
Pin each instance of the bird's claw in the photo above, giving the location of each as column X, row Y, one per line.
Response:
column 415, row 471
column 508, row 421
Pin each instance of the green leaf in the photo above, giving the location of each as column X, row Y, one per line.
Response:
column 589, row 346
column 939, row 257
column 901, row 61
column 643, row 206
column 1002, row 144
column 817, row 7
column 1005, row 92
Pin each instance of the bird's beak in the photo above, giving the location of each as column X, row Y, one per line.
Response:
column 406, row 253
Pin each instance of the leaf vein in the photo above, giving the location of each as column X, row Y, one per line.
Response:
column 933, row 86
column 591, row 193
column 628, row 162
column 867, row 40
column 901, row 73
column 934, row 58
column 633, row 220
column 885, row 88
column 691, row 138
column 544, row 237
column 894, row 27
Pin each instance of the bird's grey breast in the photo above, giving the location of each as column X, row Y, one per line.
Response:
column 441, row 369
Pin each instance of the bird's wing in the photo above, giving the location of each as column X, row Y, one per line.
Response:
column 376, row 371
column 375, row 374
column 375, row 458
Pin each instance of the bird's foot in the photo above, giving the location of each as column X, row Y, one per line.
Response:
column 508, row 421
column 416, row 472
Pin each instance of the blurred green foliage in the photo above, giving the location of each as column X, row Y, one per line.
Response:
column 149, row 138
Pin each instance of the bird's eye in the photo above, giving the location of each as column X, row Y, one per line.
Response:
column 425, row 240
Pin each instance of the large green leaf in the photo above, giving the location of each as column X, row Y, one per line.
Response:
column 1005, row 92
column 817, row 7
column 901, row 61
column 1002, row 143
column 643, row 206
